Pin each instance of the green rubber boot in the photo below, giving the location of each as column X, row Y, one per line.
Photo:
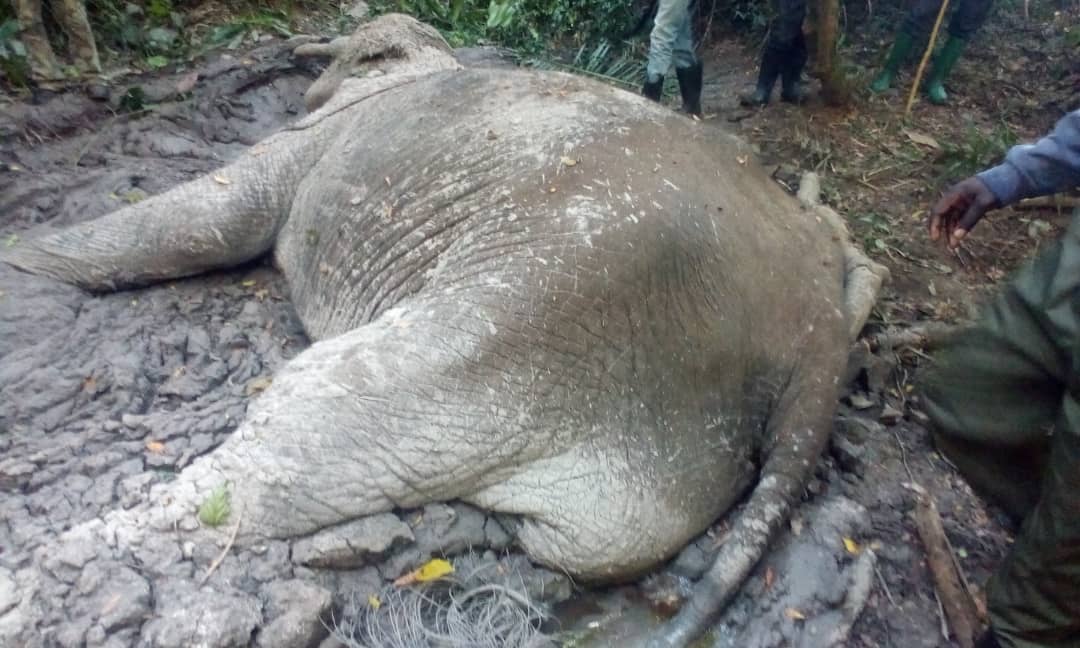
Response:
column 943, row 65
column 897, row 55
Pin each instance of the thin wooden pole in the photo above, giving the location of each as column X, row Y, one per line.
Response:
column 926, row 57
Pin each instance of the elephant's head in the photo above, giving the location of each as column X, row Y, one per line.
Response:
column 390, row 44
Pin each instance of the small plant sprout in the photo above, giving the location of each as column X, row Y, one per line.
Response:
column 215, row 508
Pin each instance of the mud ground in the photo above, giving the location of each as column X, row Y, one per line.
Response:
column 102, row 396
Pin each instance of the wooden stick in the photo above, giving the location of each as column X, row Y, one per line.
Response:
column 1056, row 201
column 926, row 57
column 959, row 607
column 224, row 552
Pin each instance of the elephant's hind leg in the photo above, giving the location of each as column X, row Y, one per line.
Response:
column 400, row 412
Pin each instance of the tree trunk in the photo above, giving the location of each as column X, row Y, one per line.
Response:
column 835, row 88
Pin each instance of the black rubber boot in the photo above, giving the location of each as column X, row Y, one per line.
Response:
column 653, row 89
column 690, row 81
column 770, row 70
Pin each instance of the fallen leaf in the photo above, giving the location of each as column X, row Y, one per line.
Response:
column 187, row 82
column 262, row 294
column 770, row 578
column 429, row 571
column 568, row 161
column 796, row 526
column 851, row 546
column 374, row 602
column 922, row 138
column 155, row 447
column 355, row 200
column 89, row 384
column 551, row 190
column 259, row 385
column 387, row 180
column 932, row 289
column 794, row 614
column 222, row 180
column 247, row 283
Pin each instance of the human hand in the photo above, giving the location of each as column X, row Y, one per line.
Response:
column 959, row 209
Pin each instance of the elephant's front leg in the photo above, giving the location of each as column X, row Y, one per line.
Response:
column 220, row 220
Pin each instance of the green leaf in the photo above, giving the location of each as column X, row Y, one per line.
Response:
column 157, row 62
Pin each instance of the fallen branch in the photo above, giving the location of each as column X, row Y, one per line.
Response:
column 1051, row 202
column 224, row 552
column 926, row 57
column 960, row 608
column 922, row 337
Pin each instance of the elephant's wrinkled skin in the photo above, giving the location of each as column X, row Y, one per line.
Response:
column 529, row 291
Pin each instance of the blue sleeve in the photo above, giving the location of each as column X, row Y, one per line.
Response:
column 1050, row 165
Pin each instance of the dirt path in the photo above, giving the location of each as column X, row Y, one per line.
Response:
column 100, row 397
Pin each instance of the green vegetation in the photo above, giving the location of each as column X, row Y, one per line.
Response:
column 976, row 150
column 215, row 509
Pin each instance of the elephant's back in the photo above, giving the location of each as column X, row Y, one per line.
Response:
column 429, row 177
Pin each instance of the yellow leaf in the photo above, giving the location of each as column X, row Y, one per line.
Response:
column 247, row 283
column 374, row 602
column 259, row 385
column 429, row 571
column 434, row 569
column 222, row 180
column 155, row 447
column 851, row 546
column 794, row 614
column 568, row 161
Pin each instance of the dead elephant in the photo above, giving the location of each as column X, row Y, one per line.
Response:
column 532, row 292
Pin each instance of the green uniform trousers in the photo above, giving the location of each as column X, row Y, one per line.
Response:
column 1004, row 398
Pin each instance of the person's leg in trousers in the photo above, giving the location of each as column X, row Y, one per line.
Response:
column 670, row 16
column 991, row 396
column 43, row 64
column 967, row 18
column 71, row 16
column 781, row 56
column 918, row 21
column 688, row 68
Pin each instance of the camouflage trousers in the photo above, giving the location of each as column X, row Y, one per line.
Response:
column 71, row 16
column 1004, row 398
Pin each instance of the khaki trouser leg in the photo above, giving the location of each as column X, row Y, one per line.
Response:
column 71, row 15
column 43, row 65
